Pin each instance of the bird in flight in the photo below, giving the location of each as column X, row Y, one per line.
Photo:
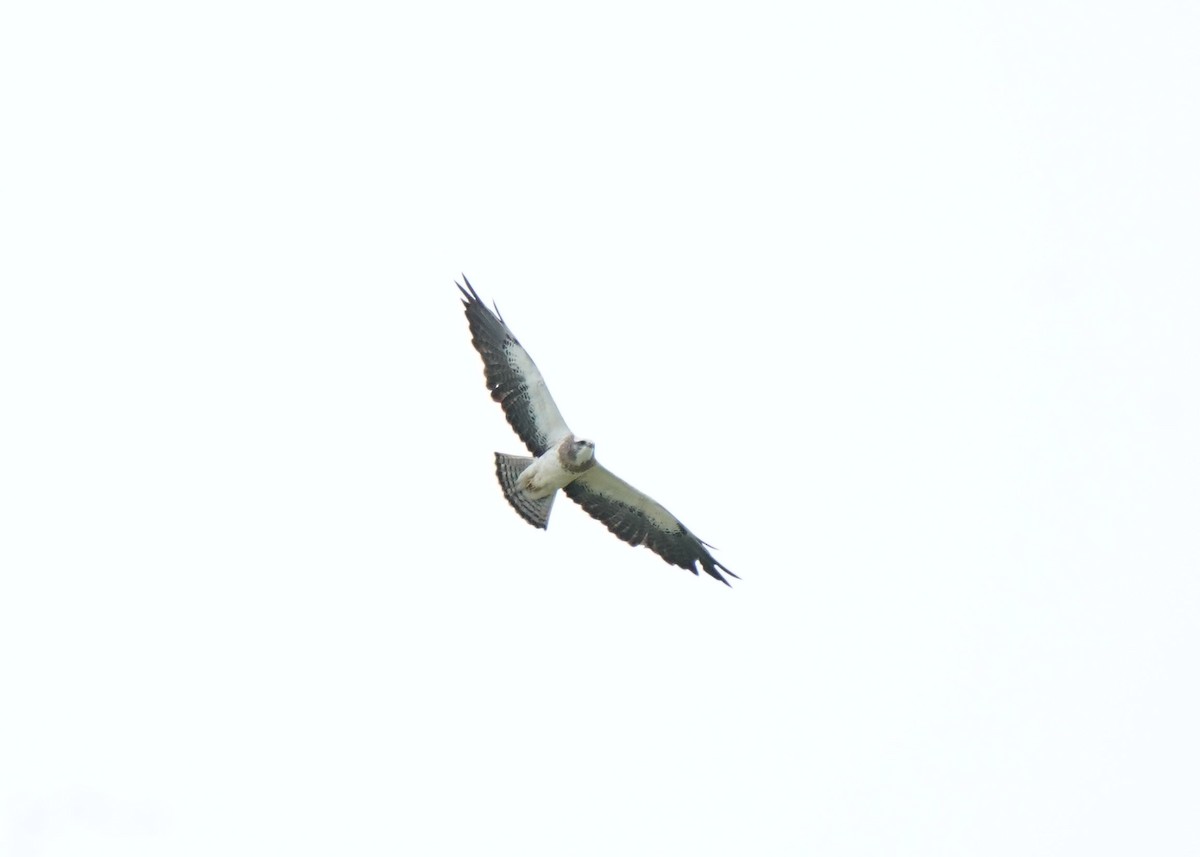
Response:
column 563, row 462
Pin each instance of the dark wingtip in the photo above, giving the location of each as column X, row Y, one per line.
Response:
column 715, row 570
column 470, row 296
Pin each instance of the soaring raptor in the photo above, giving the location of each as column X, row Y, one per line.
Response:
column 563, row 462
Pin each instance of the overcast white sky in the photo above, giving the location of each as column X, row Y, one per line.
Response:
column 897, row 304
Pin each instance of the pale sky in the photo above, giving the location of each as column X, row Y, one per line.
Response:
column 896, row 304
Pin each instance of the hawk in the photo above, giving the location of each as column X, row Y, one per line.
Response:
column 563, row 462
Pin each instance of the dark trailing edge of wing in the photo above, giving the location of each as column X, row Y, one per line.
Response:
column 490, row 334
column 627, row 523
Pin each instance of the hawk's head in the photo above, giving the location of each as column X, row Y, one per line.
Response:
column 576, row 454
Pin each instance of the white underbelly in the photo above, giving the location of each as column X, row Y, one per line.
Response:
column 545, row 476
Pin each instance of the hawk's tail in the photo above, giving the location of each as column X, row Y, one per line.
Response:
column 508, row 470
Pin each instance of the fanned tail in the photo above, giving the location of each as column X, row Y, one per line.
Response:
column 508, row 469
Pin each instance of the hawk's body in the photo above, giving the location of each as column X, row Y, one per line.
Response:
column 563, row 463
column 557, row 467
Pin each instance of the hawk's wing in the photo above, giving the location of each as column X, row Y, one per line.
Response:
column 633, row 517
column 512, row 377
